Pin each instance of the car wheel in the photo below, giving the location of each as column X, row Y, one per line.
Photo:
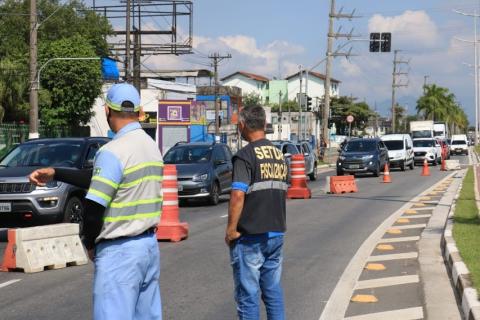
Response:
column 412, row 165
column 182, row 202
column 339, row 173
column 403, row 166
column 376, row 173
column 435, row 162
column 214, row 194
column 314, row 174
column 73, row 212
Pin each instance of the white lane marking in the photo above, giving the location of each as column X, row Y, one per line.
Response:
column 395, row 256
column 224, row 216
column 2, row 285
column 404, row 314
column 410, row 226
column 387, row 282
column 417, row 216
column 399, row 239
column 422, row 208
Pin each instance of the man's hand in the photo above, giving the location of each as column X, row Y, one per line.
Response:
column 231, row 235
column 91, row 254
column 40, row 177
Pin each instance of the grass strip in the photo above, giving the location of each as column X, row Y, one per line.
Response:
column 466, row 228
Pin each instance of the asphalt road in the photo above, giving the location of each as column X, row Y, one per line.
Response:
column 196, row 282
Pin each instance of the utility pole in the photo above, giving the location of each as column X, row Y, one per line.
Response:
column 280, row 123
column 396, row 85
column 328, row 66
column 475, row 50
column 127, row 42
column 425, row 83
column 33, row 115
column 216, row 58
column 300, row 104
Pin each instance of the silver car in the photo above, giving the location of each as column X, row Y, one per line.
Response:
column 311, row 160
column 23, row 203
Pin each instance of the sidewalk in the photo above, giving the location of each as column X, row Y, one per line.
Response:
column 458, row 270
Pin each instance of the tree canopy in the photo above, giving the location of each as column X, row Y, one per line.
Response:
column 64, row 30
column 439, row 104
column 344, row 106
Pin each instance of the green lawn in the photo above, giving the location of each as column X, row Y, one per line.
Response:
column 466, row 229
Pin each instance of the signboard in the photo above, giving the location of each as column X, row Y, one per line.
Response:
column 350, row 119
column 174, row 112
column 197, row 113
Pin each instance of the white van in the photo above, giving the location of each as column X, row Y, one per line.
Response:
column 400, row 150
column 459, row 144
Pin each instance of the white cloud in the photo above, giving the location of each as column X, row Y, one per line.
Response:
column 350, row 68
column 268, row 60
column 411, row 28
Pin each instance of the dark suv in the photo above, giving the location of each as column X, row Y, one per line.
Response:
column 204, row 170
column 57, row 201
column 362, row 156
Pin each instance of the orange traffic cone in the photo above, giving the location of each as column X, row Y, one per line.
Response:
column 170, row 227
column 426, row 169
column 444, row 165
column 386, row 174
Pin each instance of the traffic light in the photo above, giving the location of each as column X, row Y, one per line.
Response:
column 309, row 103
column 386, row 42
column 374, row 42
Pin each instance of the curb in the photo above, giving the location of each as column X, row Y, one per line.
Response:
column 468, row 296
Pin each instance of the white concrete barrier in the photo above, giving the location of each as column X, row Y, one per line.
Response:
column 452, row 165
column 46, row 247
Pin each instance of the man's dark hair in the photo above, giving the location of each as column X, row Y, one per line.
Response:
column 254, row 117
column 124, row 114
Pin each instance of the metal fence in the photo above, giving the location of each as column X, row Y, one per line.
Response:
column 13, row 134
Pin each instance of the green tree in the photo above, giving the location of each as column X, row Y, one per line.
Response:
column 65, row 21
column 440, row 104
column 287, row 105
column 251, row 99
column 344, row 106
column 73, row 93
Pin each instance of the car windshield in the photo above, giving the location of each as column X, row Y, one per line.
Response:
column 459, row 142
column 394, row 144
column 188, row 154
column 360, row 146
column 60, row 154
column 423, row 143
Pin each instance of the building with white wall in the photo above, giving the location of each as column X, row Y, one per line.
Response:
column 249, row 83
column 314, row 85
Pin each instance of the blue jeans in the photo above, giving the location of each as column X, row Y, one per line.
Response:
column 257, row 271
column 126, row 285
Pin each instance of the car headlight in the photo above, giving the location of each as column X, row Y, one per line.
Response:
column 50, row 185
column 342, row 157
column 367, row 157
column 200, row 178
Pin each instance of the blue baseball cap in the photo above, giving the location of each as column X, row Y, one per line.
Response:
column 121, row 92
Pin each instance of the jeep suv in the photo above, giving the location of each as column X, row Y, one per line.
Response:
column 20, row 201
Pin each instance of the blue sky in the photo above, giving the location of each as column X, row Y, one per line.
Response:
column 273, row 37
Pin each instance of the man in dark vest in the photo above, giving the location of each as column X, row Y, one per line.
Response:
column 256, row 220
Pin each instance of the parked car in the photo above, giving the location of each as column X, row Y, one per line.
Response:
column 20, row 201
column 400, row 150
column 204, row 170
column 426, row 149
column 311, row 160
column 288, row 149
column 459, row 144
column 362, row 156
